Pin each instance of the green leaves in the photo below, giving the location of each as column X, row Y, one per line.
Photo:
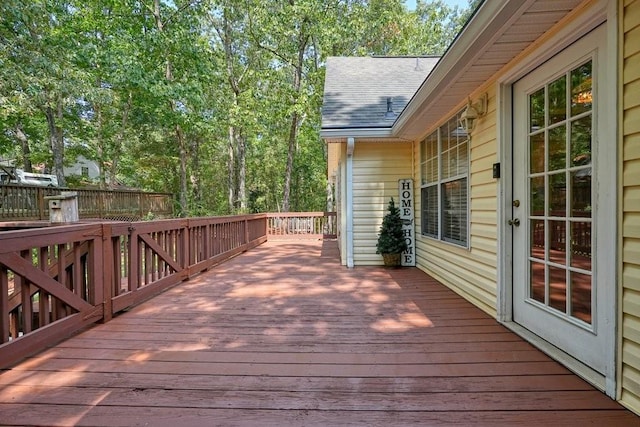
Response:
column 391, row 238
column 217, row 101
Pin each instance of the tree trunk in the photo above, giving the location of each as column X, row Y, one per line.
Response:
column 242, row 172
column 183, row 170
column 26, row 151
column 196, row 185
column 237, row 139
column 293, row 136
column 182, row 148
column 295, row 117
column 100, row 149
column 56, row 141
column 231, row 169
column 119, row 142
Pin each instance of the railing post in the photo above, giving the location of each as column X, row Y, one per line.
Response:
column 246, row 230
column 107, row 272
column 134, row 260
column 40, row 202
column 186, row 246
column 101, row 204
column 266, row 226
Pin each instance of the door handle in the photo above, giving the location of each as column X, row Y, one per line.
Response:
column 514, row 221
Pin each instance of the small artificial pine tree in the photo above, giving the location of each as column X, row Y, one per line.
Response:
column 391, row 239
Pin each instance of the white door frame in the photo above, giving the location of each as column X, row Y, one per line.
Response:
column 599, row 12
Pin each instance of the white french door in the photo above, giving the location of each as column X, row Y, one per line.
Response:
column 563, row 267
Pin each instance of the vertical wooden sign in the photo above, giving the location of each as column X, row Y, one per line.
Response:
column 405, row 189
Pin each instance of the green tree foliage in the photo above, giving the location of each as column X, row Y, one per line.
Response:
column 216, row 101
column 391, row 238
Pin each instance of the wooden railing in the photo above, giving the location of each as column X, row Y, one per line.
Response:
column 25, row 202
column 56, row 280
column 297, row 225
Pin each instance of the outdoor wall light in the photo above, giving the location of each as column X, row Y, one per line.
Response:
column 473, row 112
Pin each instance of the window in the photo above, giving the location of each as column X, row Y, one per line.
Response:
column 85, row 171
column 444, row 167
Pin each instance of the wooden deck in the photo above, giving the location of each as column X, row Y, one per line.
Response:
column 282, row 335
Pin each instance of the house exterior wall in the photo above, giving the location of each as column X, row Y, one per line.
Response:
column 630, row 240
column 337, row 156
column 76, row 168
column 377, row 167
column 471, row 272
column 334, row 153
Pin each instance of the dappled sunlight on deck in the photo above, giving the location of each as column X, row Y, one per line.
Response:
column 283, row 335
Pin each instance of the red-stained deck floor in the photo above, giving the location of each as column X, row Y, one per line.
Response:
column 283, row 335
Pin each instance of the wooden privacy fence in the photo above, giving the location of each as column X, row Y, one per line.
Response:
column 26, row 202
column 57, row 280
column 296, row 225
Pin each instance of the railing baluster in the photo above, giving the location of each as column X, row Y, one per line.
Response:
column 4, row 304
column 43, row 297
column 25, row 296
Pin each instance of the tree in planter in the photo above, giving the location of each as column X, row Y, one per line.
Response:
column 391, row 241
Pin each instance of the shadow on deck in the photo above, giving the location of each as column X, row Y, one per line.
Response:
column 283, row 335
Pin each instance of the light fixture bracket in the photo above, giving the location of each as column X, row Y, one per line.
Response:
column 473, row 112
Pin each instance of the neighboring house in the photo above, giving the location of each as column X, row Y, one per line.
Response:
column 83, row 167
column 523, row 144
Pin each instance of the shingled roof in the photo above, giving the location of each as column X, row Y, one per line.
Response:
column 356, row 89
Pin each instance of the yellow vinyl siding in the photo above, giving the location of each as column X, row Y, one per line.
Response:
column 470, row 272
column 335, row 176
column 630, row 51
column 334, row 152
column 377, row 167
column 340, row 194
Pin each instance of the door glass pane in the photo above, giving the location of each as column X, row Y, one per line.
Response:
column 536, row 153
column 581, row 193
column 558, row 100
column 557, row 194
column 581, row 141
column 537, row 239
column 557, row 242
column 557, row 148
column 536, row 110
column 581, row 89
column 537, row 196
column 537, row 289
column 558, row 288
column 581, row 245
column 581, row 296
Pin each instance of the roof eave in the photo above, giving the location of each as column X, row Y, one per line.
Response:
column 363, row 133
column 480, row 31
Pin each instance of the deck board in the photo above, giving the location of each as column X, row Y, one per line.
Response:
column 282, row 335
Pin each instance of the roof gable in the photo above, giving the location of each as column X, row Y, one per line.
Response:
column 357, row 88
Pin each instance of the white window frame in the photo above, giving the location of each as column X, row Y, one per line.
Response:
column 441, row 180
